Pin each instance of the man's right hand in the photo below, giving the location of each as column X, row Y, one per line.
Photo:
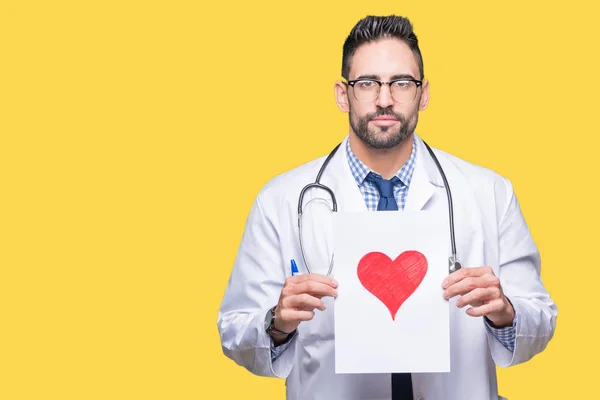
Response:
column 300, row 296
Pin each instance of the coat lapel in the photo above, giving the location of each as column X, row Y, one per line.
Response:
column 426, row 178
column 341, row 181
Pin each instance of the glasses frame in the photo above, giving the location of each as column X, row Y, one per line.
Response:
column 381, row 83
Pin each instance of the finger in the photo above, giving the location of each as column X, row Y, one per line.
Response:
column 296, row 279
column 477, row 296
column 303, row 301
column 464, row 273
column 476, row 303
column 485, row 309
column 290, row 315
column 314, row 288
column 468, row 284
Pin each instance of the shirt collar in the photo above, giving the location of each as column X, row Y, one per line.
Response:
column 360, row 170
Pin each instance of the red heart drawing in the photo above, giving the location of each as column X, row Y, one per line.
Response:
column 392, row 282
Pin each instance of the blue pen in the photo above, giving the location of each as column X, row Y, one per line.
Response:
column 294, row 267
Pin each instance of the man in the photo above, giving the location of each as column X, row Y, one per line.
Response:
column 276, row 323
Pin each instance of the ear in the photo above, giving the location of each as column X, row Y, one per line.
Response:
column 424, row 95
column 341, row 96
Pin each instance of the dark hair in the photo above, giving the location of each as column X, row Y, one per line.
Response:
column 374, row 28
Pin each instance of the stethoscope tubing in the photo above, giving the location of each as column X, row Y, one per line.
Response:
column 453, row 262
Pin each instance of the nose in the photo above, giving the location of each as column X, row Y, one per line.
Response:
column 385, row 96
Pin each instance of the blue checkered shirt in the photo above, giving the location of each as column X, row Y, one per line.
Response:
column 360, row 171
column 368, row 189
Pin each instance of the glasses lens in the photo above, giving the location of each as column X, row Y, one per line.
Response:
column 366, row 91
column 404, row 91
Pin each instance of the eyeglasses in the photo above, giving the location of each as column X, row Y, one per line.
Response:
column 402, row 90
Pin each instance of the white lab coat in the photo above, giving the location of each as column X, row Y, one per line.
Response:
column 490, row 230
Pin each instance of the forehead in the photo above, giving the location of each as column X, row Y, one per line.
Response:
column 384, row 58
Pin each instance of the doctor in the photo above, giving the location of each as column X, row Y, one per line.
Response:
column 276, row 324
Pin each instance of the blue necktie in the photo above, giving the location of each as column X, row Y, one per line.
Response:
column 385, row 188
column 401, row 383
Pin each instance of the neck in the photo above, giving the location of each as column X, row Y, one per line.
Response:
column 386, row 162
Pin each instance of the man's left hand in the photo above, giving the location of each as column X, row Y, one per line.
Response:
column 480, row 288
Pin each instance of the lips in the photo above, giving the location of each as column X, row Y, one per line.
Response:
column 384, row 121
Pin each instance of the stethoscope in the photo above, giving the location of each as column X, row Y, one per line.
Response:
column 453, row 263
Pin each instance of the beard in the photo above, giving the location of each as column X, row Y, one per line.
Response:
column 383, row 137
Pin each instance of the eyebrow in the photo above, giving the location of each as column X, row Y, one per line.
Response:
column 394, row 77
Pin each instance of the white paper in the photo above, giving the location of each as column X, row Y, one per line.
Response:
column 367, row 339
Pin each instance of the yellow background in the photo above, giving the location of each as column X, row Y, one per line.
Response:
column 136, row 134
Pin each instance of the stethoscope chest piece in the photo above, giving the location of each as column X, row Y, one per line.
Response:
column 453, row 264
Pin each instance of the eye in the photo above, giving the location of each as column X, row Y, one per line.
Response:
column 402, row 84
column 366, row 84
